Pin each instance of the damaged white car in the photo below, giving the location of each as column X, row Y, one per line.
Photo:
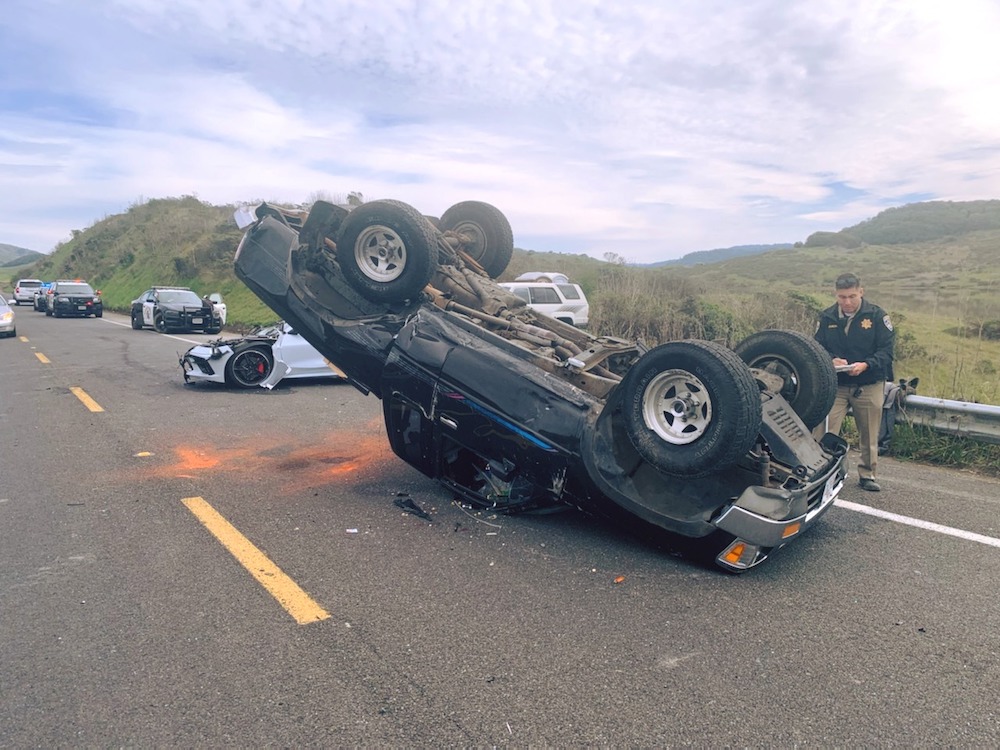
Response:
column 262, row 359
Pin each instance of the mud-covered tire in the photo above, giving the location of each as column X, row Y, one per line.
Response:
column 488, row 236
column 387, row 251
column 691, row 408
column 249, row 366
column 805, row 367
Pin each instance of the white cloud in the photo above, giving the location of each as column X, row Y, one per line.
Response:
column 643, row 128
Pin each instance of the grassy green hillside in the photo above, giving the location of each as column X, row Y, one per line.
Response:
column 174, row 241
column 934, row 268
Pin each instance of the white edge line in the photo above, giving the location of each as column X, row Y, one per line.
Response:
column 165, row 335
column 968, row 535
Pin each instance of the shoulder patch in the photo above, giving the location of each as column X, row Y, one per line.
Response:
column 887, row 322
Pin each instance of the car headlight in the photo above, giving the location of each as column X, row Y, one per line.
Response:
column 6, row 317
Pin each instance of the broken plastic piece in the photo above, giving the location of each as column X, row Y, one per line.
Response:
column 411, row 507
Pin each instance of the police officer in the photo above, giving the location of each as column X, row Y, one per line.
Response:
column 858, row 335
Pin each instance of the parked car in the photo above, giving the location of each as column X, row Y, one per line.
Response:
column 39, row 300
column 8, row 324
column 24, row 290
column 265, row 357
column 73, row 298
column 561, row 300
column 175, row 309
column 513, row 410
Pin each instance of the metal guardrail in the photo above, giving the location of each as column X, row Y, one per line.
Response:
column 960, row 418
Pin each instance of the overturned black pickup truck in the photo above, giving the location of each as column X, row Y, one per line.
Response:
column 516, row 411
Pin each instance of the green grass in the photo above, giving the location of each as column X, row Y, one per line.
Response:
column 924, row 445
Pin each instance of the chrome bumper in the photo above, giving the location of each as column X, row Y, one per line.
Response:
column 756, row 534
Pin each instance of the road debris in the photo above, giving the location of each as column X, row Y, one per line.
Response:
column 405, row 502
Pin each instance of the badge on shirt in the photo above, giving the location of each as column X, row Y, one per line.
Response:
column 887, row 322
column 866, row 323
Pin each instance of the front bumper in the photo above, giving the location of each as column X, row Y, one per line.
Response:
column 191, row 322
column 763, row 519
column 205, row 363
column 77, row 308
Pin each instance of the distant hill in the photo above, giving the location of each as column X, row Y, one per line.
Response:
column 915, row 222
column 714, row 256
column 12, row 255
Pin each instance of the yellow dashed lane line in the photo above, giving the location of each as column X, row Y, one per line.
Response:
column 288, row 593
column 85, row 399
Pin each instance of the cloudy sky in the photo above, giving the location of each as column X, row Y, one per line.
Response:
column 646, row 128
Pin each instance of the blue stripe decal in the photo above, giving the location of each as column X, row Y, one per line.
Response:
column 500, row 420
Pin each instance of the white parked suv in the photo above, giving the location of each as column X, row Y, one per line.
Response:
column 562, row 301
column 548, row 276
column 25, row 291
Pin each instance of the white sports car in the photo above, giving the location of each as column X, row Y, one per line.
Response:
column 263, row 358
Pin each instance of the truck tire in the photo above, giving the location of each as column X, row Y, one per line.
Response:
column 387, row 251
column 805, row 367
column 488, row 238
column 691, row 408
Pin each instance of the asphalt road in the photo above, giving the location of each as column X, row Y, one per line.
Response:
column 127, row 621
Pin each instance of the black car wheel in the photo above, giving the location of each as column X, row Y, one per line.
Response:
column 159, row 323
column 99, row 314
column 249, row 366
column 805, row 368
column 488, row 238
column 691, row 408
column 136, row 321
column 387, row 251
